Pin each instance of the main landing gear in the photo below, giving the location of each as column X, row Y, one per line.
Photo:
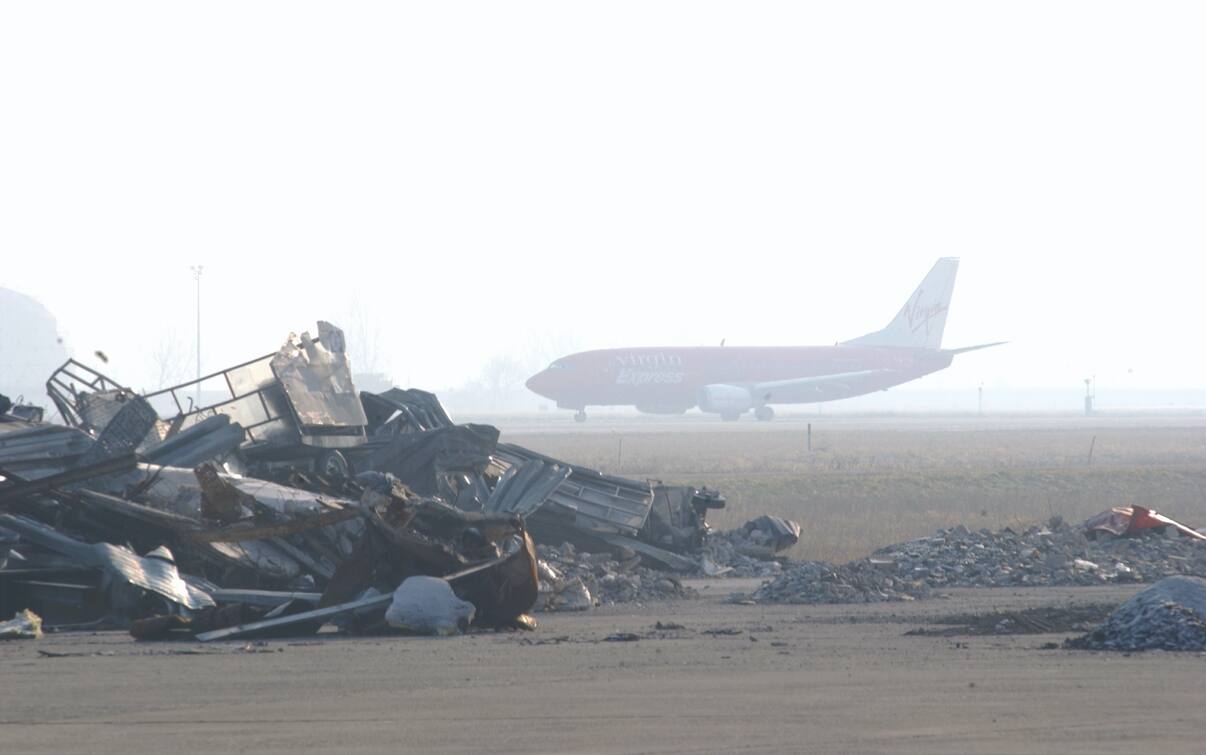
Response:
column 580, row 416
column 764, row 414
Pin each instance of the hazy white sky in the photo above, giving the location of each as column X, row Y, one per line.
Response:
column 476, row 177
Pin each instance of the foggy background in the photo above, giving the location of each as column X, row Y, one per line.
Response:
column 471, row 190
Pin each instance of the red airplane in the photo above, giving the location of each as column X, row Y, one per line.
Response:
column 732, row 380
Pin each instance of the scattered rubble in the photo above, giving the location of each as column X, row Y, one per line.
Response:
column 1038, row 620
column 1169, row 615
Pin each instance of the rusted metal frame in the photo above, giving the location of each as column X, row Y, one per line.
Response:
column 293, row 527
column 202, row 379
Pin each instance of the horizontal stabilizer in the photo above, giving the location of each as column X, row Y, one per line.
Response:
column 977, row 347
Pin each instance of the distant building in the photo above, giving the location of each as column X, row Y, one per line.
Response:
column 30, row 347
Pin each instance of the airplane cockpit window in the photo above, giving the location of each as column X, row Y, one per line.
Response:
column 558, row 366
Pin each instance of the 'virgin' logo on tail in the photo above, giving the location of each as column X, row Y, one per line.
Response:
column 918, row 315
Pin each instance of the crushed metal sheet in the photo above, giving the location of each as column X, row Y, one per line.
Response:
column 213, row 438
column 1121, row 521
column 152, row 574
column 399, row 411
column 41, row 450
column 20, row 490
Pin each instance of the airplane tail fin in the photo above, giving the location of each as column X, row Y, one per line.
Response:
column 921, row 320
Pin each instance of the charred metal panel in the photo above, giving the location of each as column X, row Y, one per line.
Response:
column 124, row 431
column 317, row 381
column 400, row 411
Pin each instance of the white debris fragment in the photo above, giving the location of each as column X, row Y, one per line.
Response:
column 26, row 625
column 427, row 605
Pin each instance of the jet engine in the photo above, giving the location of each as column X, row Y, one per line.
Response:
column 726, row 400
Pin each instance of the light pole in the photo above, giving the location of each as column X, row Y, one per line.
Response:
column 197, row 270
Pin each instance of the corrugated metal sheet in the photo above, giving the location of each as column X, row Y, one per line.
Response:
column 152, row 574
column 39, row 451
column 594, row 500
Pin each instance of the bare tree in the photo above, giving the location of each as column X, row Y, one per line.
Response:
column 548, row 346
column 500, row 376
column 170, row 360
column 363, row 334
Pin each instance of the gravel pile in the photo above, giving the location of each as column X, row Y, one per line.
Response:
column 1055, row 554
column 1169, row 615
column 572, row 580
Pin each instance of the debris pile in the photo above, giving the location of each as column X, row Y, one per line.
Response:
column 576, row 580
column 1055, row 554
column 1169, row 615
column 271, row 498
column 815, row 582
column 751, row 550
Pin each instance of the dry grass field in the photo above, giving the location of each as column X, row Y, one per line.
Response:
column 864, row 487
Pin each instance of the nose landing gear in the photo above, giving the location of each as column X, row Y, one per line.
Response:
column 580, row 416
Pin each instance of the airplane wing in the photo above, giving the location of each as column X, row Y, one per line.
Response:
column 766, row 391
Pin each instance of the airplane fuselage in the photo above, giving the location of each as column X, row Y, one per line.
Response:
column 670, row 379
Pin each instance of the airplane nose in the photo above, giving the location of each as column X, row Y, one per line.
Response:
column 539, row 383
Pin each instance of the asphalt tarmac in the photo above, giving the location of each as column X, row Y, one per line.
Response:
column 732, row 678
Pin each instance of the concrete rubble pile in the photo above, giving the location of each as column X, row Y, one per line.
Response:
column 1054, row 554
column 1169, row 615
column 271, row 498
